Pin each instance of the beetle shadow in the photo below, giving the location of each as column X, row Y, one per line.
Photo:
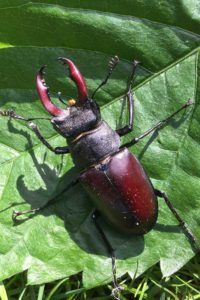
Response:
column 78, row 223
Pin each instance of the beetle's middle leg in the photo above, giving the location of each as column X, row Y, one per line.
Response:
column 35, row 129
column 182, row 223
column 17, row 214
column 110, row 250
column 159, row 125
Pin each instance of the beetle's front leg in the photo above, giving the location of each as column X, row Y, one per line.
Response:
column 182, row 223
column 159, row 125
column 35, row 129
column 130, row 100
column 57, row 150
column 17, row 214
column 111, row 251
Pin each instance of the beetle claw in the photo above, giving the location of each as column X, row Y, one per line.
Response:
column 136, row 62
column 116, row 292
column 190, row 102
column 15, row 214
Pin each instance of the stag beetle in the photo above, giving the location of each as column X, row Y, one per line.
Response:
column 111, row 175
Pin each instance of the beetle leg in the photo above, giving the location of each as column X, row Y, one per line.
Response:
column 57, row 150
column 130, row 99
column 110, row 250
column 35, row 129
column 159, row 125
column 182, row 223
column 111, row 66
column 128, row 128
column 16, row 214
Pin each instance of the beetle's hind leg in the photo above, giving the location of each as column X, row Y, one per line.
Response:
column 130, row 100
column 111, row 251
column 17, row 214
column 182, row 223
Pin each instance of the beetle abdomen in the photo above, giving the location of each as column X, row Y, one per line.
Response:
column 123, row 193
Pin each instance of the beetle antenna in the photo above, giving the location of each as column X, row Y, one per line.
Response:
column 111, row 66
column 60, row 98
column 11, row 113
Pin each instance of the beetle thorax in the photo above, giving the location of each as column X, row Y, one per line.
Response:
column 93, row 146
column 76, row 120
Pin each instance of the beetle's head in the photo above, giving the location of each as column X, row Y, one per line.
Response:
column 80, row 115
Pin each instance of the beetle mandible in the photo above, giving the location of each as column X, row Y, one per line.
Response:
column 111, row 175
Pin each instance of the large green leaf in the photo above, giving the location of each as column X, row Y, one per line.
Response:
column 61, row 240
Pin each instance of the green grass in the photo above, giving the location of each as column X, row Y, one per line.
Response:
column 185, row 284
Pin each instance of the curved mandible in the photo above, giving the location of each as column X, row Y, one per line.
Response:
column 43, row 92
column 77, row 77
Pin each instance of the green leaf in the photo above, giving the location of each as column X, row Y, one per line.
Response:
column 61, row 240
column 3, row 294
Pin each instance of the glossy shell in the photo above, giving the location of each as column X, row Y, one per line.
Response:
column 121, row 190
